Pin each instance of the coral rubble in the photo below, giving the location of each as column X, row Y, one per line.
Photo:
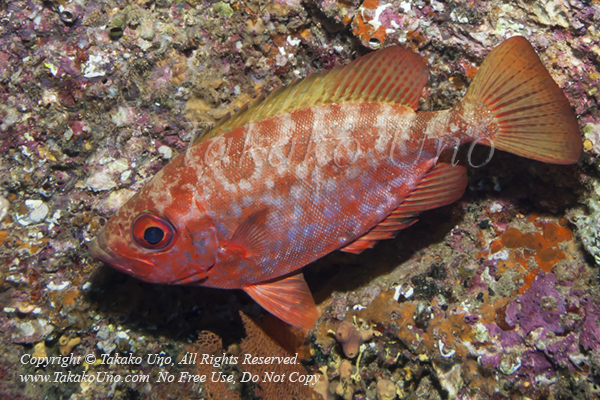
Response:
column 496, row 296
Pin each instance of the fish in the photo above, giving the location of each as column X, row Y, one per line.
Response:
column 337, row 161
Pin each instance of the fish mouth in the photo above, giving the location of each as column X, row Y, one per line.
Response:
column 96, row 249
column 195, row 277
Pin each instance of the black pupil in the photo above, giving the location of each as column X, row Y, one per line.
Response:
column 153, row 235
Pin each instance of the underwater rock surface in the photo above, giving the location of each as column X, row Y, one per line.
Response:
column 494, row 297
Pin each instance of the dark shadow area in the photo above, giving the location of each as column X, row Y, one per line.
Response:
column 177, row 312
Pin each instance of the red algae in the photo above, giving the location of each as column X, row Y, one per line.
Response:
column 533, row 241
column 512, row 238
column 366, row 25
column 540, row 246
column 496, row 246
column 547, row 258
column 555, row 233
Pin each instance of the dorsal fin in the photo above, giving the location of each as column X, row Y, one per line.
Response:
column 392, row 75
column 443, row 185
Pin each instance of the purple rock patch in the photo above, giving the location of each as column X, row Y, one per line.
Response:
column 541, row 305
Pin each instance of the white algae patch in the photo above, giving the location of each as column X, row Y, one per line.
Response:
column 59, row 287
column 4, row 204
column 38, row 211
column 94, row 66
column 116, row 199
column 165, row 152
column 551, row 14
column 104, row 178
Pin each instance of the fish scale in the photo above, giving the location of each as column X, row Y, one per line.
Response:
column 309, row 169
column 337, row 161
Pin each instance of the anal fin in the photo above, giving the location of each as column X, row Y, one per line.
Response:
column 386, row 229
column 443, row 185
column 289, row 299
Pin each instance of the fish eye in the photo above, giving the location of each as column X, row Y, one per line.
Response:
column 154, row 235
column 152, row 232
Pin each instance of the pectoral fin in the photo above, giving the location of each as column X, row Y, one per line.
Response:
column 251, row 235
column 289, row 299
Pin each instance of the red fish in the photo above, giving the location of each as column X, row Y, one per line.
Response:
column 336, row 161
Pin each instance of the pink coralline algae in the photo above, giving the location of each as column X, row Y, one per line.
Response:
column 541, row 328
column 590, row 333
column 540, row 307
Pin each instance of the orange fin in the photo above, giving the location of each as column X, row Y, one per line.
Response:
column 534, row 116
column 374, row 235
column 391, row 75
column 443, row 185
column 289, row 299
column 251, row 234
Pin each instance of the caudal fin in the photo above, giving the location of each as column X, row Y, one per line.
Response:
column 534, row 117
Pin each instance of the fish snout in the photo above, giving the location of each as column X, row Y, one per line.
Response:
column 100, row 251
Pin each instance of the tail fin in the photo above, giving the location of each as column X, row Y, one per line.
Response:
column 533, row 114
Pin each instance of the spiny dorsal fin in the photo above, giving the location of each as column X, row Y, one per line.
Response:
column 392, row 75
column 443, row 185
